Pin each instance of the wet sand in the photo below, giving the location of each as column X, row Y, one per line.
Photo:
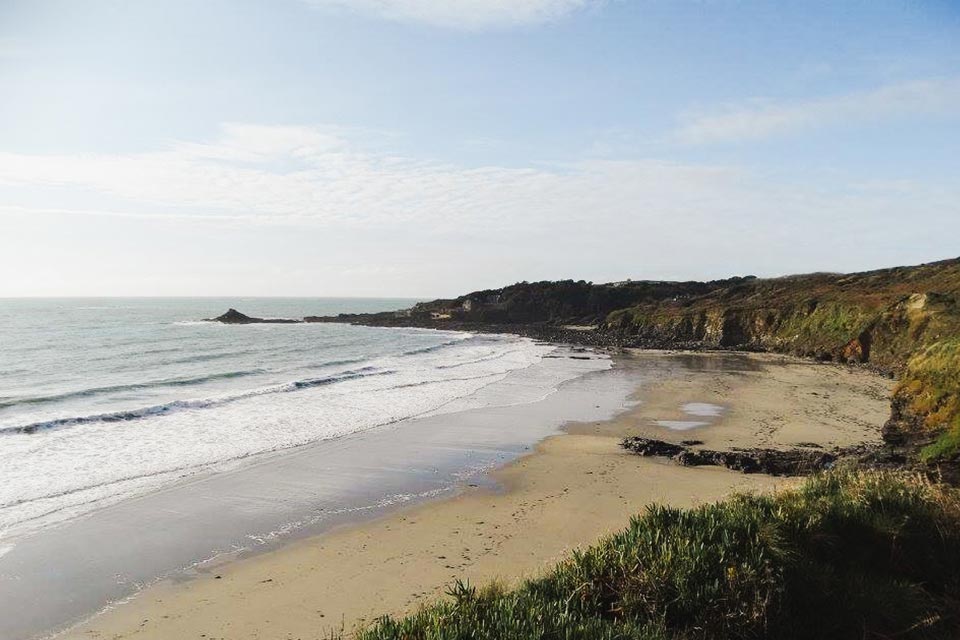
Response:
column 760, row 400
column 575, row 488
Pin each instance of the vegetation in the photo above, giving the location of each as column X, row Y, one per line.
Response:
column 847, row 555
column 930, row 388
column 946, row 447
column 932, row 382
column 566, row 301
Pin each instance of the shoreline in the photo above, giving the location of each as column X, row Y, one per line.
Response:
column 266, row 502
column 572, row 489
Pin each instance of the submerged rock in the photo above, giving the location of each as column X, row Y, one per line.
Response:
column 232, row 316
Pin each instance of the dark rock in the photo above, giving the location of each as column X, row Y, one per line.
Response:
column 789, row 462
column 232, row 316
column 792, row 462
column 648, row 447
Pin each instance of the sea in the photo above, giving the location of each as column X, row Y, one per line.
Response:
column 105, row 399
column 140, row 443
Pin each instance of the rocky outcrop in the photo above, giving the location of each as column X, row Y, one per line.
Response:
column 774, row 462
column 232, row 316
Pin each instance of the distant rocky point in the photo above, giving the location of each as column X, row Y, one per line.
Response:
column 232, row 316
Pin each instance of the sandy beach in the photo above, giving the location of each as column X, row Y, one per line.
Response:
column 573, row 489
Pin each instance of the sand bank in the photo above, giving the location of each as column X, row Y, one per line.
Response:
column 575, row 488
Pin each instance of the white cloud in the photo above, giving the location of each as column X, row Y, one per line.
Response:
column 253, row 143
column 464, row 14
column 301, row 175
column 762, row 119
column 312, row 211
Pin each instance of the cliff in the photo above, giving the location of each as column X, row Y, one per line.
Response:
column 902, row 321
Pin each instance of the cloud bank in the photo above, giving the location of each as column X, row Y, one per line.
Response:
column 317, row 212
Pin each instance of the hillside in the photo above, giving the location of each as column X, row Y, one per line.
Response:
column 903, row 321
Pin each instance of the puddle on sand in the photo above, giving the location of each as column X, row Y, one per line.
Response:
column 704, row 409
column 699, row 409
column 681, row 425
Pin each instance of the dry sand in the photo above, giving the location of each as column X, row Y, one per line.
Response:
column 575, row 488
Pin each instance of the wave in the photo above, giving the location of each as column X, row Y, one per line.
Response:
column 206, row 357
column 180, row 469
column 495, row 356
column 336, row 363
column 136, row 386
column 437, row 347
column 204, row 403
column 183, row 405
column 8, row 402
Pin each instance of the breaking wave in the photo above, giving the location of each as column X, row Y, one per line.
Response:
column 183, row 405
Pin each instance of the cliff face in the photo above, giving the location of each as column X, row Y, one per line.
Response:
column 842, row 331
column 905, row 321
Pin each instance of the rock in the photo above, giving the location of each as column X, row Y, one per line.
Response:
column 232, row 316
column 789, row 462
column 648, row 447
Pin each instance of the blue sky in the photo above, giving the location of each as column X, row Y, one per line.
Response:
column 427, row 148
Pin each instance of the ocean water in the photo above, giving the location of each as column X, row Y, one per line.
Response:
column 102, row 400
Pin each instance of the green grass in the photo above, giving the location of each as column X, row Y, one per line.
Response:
column 847, row 555
column 932, row 379
column 829, row 325
column 945, row 447
column 931, row 389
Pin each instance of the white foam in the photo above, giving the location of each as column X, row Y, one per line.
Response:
column 60, row 473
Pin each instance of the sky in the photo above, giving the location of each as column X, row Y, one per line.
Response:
column 427, row 148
